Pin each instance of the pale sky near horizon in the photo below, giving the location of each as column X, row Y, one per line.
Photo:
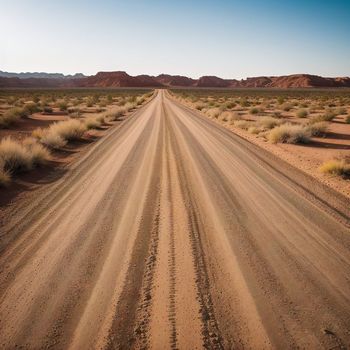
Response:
column 227, row 38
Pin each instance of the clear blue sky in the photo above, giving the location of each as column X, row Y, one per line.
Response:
column 232, row 39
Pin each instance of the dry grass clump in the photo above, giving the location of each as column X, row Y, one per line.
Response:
column 213, row 112
column 4, row 175
column 254, row 110
column 68, row 130
column 17, row 157
column 317, row 129
column 347, row 120
column 199, row 105
column 53, row 141
column 302, row 113
column 92, row 123
column 336, row 167
column 289, row 133
column 38, row 153
column 11, row 116
column 341, row 111
column 14, row 156
column 287, row 107
column 57, row 135
column 116, row 114
column 243, row 124
column 255, row 130
column 268, row 122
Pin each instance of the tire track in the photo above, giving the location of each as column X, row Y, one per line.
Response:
column 210, row 330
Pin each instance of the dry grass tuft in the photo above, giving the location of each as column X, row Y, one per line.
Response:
column 68, row 130
column 52, row 140
column 289, row 133
column 318, row 128
column 336, row 167
column 268, row 122
column 302, row 113
column 39, row 154
column 14, row 156
column 4, row 175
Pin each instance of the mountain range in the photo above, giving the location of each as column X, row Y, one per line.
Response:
column 122, row 79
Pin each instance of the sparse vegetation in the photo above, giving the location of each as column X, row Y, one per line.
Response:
column 289, row 133
column 336, row 167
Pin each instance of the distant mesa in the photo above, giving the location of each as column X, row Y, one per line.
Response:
column 122, row 79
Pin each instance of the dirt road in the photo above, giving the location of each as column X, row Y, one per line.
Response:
column 173, row 233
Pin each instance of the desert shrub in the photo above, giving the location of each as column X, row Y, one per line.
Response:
column 277, row 114
column 63, row 106
column 255, row 130
column 92, row 123
column 268, row 122
column 336, row 167
column 68, row 130
column 213, row 112
column 47, row 110
column 317, row 129
column 229, row 105
column 9, row 117
column 287, row 107
column 4, row 175
column 140, row 100
column 254, row 110
column 38, row 153
column 116, row 114
column 129, row 106
column 38, row 133
column 302, row 113
column 244, row 103
column 280, row 100
column 199, row 105
column 341, row 111
column 53, row 141
column 14, row 156
column 329, row 115
column 288, row 133
column 228, row 116
column 347, row 120
column 242, row 124
column 31, row 108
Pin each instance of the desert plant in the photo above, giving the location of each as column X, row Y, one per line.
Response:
column 341, row 111
column 38, row 133
column 63, row 106
column 47, row 110
column 213, row 112
column 336, row 167
column 31, row 108
column 317, row 129
column 287, row 107
column 116, row 114
column 39, row 154
column 254, row 110
column 347, row 120
column 14, row 156
column 92, row 123
column 9, row 117
column 289, row 133
column 4, row 175
column 255, row 130
column 268, row 122
column 53, row 141
column 68, row 130
column 243, row 124
column 302, row 113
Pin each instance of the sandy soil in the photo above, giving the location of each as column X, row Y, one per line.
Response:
column 172, row 232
